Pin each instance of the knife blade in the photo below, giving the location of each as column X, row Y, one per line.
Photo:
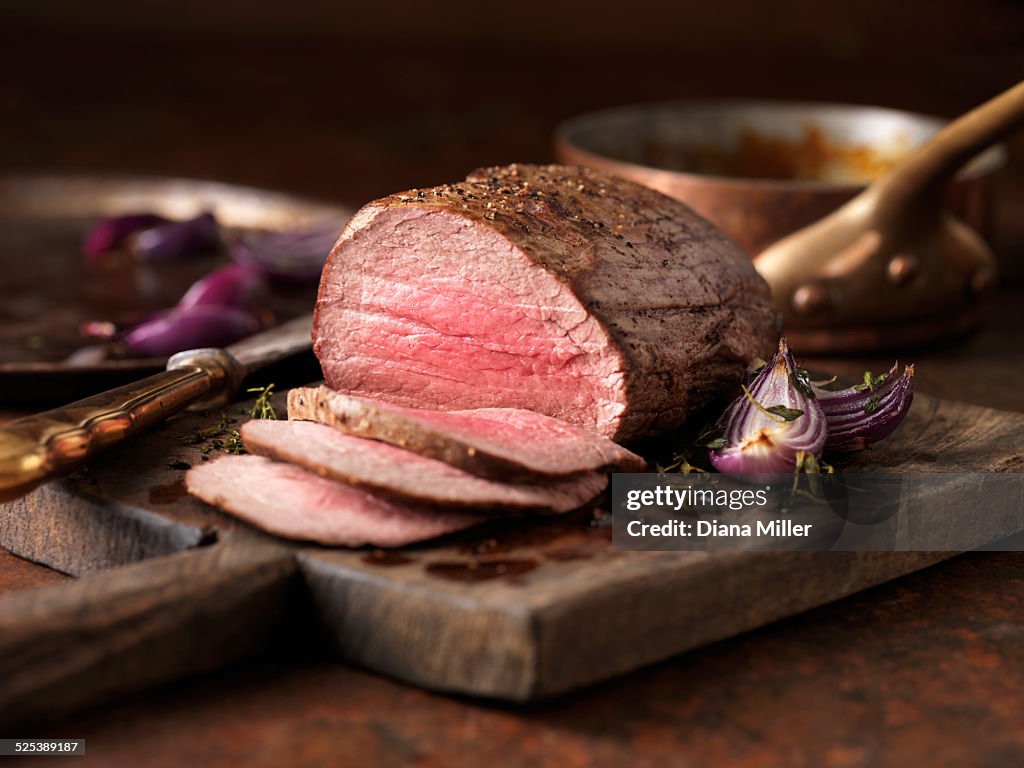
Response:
column 36, row 448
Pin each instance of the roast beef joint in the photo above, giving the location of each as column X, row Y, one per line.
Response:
column 559, row 290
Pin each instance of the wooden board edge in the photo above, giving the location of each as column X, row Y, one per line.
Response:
column 518, row 654
column 461, row 645
column 658, row 617
column 71, row 645
column 51, row 525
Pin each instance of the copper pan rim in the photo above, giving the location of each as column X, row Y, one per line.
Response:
column 578, row 139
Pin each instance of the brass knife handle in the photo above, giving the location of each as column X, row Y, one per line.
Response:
column 38, row 447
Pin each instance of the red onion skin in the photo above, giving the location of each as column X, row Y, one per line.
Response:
column 851, row 429
column 759, row 444
column 202, row 325
column 230, row 286
column 852, row 399
column 177, row 239
column 111, row 232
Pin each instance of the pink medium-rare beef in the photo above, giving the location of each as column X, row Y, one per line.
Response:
column 499, row 443
column 288, row 501
column 554, row 289
column 402, row 474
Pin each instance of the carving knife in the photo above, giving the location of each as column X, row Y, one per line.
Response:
column 36, row 448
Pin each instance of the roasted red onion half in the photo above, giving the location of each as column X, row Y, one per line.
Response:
column 232, row 285
column 202, row 325
column 774, row 424
column 863, row 414
column 111, row 232
column 228, row 304
column 175, row 239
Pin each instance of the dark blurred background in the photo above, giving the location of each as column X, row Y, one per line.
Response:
column 353, row 100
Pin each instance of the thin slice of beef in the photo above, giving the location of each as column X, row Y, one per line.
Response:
column 288, row 501
column 500, row 443
column 559, row 290
column 405, row 475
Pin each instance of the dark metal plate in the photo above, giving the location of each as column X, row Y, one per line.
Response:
column 47, row 290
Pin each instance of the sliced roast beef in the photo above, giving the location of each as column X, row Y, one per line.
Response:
column 396, row 472
column 554, row 289
column 500, row 443
column 288, row 501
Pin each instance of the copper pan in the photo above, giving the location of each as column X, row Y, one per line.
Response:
column 654, row 143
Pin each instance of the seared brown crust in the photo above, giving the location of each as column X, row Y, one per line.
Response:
column 359, row 417
column 683, row 306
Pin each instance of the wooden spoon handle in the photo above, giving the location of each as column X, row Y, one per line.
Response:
column 928, row 170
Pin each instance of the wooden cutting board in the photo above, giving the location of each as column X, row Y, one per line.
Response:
column 512, row 610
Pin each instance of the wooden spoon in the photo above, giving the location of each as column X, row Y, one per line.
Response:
column 892, row 266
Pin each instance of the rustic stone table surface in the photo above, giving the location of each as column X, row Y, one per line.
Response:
column 924, row 671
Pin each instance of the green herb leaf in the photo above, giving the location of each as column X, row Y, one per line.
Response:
column 872, row 405
column 789, row 414
column 686, row 467
column 801, row 381
column 809, row 463
column 679, row 464
column 870, row 382
column 772, row 413
column 711, row 436
column 219, row 437
column 233, row 444
column 202, row 435
column 262, row 409
column 717, row 444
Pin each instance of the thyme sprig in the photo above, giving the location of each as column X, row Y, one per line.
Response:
column 871, row 383
column 233, row 444
column 679, row 464
column 218, row 437
column 209, row 433
column 262, row 407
